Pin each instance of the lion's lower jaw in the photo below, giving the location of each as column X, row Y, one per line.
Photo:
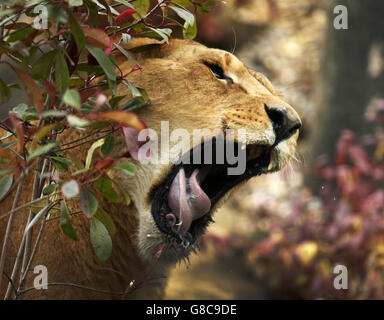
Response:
column 155, row 247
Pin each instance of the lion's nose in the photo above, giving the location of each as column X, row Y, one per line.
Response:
column 285, row 123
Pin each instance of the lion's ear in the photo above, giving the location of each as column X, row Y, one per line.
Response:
column 263, row 80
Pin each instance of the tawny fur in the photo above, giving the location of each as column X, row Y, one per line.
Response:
column 184, row 92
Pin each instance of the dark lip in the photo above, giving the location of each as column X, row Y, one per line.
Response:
column 220, row 185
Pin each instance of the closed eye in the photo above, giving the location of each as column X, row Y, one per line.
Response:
column 218, row 72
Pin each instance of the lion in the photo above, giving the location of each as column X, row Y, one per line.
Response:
column 191, row 87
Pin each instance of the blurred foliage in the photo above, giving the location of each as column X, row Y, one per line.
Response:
column 292, row 254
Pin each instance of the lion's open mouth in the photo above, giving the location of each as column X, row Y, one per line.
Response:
column 183, row 201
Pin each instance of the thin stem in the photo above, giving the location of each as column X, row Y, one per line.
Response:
column 15, row 271
column 35, row 194
column 20, row 290
column 76, row 286
column 9, row 226
column 28, row 204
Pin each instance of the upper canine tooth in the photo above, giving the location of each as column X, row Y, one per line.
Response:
column 271, row 162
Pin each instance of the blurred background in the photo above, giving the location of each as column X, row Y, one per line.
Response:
column 282, row 235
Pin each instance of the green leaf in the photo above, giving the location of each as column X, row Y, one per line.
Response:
column 20, row 34
column 183, row 3
column 41, row 150
column 100, row 239
column 20, row 110
column 164, row 33
column 77, row 32
column 134, row 90
column 50, row 188
column 5, row 93
column 31, row 114
column 141, row 6
column 74, row 121
column 42, row 65
column 61, row 73
column 123, row 192
column 91, row 150
column 108, row 145
column 140, row 97
column 5, row 185
column 93, row 17
column 106, row 220
column 61, row 163
column 126, row 54
column 190, row 30
column 57, row 14
column 184, row 14
column 103, row 61
column 88, row 202
column 72, row 98
column 127, row 167
column 206, row 6
column 38, row 206
column 65, row 222
column 103, row 186
column 114, row 102
column 190, row 27
column 41, row 211
column 75, row 3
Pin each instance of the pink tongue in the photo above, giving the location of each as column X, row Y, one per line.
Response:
column 187, row 201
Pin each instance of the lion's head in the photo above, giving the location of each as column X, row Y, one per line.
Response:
column 194, row 87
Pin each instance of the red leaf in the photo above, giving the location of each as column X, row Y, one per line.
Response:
column 104, row 164
column 125, row 13
column 51, row 90
column 33, row 90
column 345, row 141
column 18, row 127
column 91, row 92
column 125, row 117
column 361, row 159
column 108, row 50
column 96, row 37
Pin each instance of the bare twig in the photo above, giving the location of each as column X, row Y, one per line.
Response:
column 10, row 281
column 15, row 270
column 76, row 286
column 9, row 225
column 25, row 205
column 35, row 194
column 20, row 291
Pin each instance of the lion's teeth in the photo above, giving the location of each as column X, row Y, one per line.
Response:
column 271, row 162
